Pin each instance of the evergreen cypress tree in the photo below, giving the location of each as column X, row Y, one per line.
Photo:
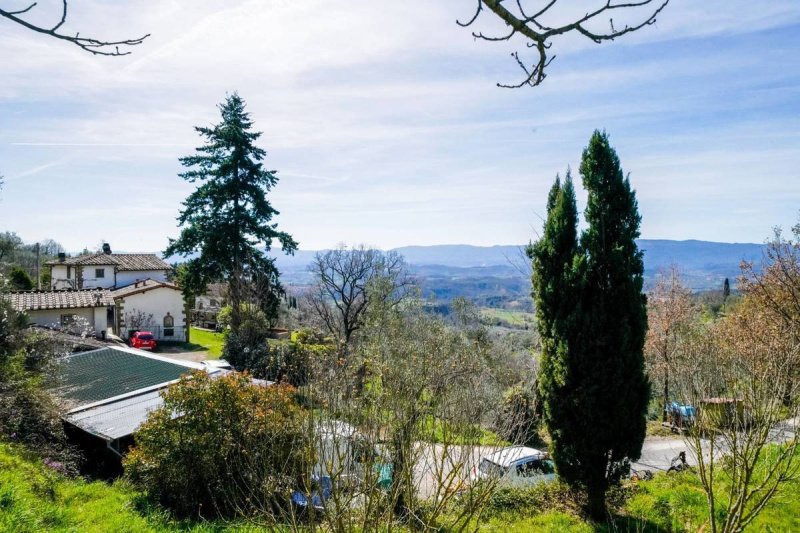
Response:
column 19, row 279
column 591, row 315
column 228, row 218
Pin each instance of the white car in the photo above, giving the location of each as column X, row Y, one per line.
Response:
column 516, row 466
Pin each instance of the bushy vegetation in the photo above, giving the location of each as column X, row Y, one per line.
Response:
column 246, row 347
column 28, row 414
column 520, row 407
column 221, row 447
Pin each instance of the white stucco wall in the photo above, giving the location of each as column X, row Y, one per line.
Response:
column 58, row 274
column 131, row 276
column 95, row 317
column 59, row 277
column 157, row 302
column 90, row 281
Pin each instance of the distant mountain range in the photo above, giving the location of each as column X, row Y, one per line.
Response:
column 704, row 265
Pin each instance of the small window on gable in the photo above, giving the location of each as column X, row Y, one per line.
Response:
column 169, row 326
column 99, row 272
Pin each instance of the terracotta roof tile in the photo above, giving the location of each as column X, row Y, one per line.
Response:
column 67, row 299
column 121, row 261
column 142, row 286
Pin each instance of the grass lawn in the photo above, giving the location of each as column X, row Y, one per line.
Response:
column 516, row 319
column 209, row 340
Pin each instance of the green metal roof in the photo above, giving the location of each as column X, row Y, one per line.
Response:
column 98, row 375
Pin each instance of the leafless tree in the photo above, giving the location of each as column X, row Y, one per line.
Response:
column 670, row 315
column 137, row 319
column 425, row 390
column 535, row 24
column 348, row 280
column 89, row 44
column 738, row 375
column 775, row 283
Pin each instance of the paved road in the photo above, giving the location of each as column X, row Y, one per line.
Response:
column 437, row 462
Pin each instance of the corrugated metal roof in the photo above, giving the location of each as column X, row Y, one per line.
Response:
column 119, row 418
column 106, row 373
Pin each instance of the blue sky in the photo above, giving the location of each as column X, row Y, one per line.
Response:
column 385, row 124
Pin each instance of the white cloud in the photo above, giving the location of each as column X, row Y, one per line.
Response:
column 384, row 120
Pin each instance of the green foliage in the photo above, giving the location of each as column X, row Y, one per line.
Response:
column 28, row 413
column 221, row 447
column 19, row 280
column 247, row 348
column 292, row 360
column 518, row 418
column 228, row 218
column 591, row 315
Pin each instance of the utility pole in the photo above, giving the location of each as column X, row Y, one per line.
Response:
column 38, row 268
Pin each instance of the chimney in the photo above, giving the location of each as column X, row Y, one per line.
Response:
column 62, row 257
column 106, row 248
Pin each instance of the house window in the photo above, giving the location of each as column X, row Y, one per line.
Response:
column 169, row 326
column 69, row 271
column 99, row 272
column 67, row 320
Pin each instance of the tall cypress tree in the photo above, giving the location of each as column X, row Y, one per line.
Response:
column 593, row 384
column 228, row 219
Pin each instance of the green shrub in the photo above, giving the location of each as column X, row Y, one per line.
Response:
column 28, row 413
column 518, row 420
column 221, row 447
column 246, row 348
column 19, row 279
column 526, row 501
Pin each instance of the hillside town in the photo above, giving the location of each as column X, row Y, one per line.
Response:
column 193, row 341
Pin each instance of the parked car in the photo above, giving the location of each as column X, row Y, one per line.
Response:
column 516, row 466
column 344, row 458
column 144, row 340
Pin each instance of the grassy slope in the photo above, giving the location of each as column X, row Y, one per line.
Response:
column 34, row 498
column 665, row 504
column 210, row 340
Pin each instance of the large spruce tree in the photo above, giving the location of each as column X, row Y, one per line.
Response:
column 227, row 221
column 591, row 314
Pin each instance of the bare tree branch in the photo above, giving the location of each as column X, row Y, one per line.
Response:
column 539, row 34
column 89, row 44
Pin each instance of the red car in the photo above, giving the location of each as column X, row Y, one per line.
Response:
column 143, row 340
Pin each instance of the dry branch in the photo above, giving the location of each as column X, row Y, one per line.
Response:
column 532, row 27
column 89, row 44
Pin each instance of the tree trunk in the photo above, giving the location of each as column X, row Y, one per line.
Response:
column 596, row 502
column 400, row 507
column 666, row 395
